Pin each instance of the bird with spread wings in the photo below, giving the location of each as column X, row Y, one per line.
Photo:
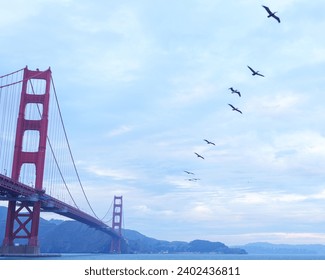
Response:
column 199, row 156
column 235, row 91
column 209, row 142
column 271, row 14
column 235, row 109
column 254, row 72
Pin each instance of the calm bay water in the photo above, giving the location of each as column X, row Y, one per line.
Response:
column 173, row 257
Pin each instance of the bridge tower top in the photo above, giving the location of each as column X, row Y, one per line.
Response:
column 40, row 99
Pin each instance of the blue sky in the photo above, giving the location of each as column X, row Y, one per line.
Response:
column 142, row 83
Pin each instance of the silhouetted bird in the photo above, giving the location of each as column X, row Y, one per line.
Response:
column 209, row 142
column 235, row 91
column 235, row 109
column 199, row 156
column 255, row 72
column 188, row 172
column 271, row 14
column 193, row 179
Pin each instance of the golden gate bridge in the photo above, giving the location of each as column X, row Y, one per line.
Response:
column 37, row 169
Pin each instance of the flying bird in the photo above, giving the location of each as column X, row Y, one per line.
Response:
column 255, row 72
column 188, row 172
column 235, row 109
column 271, row 14
column 209, row 142
column 235, row 91
column 199, row 156
column 193, row 179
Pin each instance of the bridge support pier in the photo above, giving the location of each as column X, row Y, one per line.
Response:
column 20, row 250
column 22, row 223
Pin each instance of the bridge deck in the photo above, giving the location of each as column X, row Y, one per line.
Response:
column 12, row 190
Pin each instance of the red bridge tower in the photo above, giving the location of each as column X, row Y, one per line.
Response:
column 117, row 225
column 23, row 217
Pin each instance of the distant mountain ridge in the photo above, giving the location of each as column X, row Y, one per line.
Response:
column 269, row 248
column 57, row 236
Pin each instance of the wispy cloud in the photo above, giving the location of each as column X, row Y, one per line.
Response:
column 119, row 131
column 271, row 237
column 115, row 174
column 9, row 18
column 277, row 104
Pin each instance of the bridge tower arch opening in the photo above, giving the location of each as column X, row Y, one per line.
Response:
column 23, row 216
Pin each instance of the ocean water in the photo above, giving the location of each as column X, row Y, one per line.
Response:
column 172, row 257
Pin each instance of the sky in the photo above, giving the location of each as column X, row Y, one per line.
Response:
column 142, row 83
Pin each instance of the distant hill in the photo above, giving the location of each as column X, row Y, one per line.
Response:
column 57, row 236
column 73, row 237
column 269, row 248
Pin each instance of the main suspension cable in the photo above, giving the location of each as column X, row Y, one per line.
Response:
column 70, row 151
column 53, row 154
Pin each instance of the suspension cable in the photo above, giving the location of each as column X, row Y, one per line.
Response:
column 6, row 75
column 60, row 172
column 17, row 82
column 53, row 154
column 70, row 152
column 109, row 209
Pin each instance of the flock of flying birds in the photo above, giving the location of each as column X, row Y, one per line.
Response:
column 254, row 73
column 201, row 157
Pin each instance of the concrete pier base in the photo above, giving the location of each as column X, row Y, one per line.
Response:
column 19, row 250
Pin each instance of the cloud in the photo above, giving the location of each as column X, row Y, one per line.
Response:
column 271, row 237
column 277, row 104
column 320, row 195
column 25, row 11
column 119, row 131
column 276, row 197
column 188, row 94
column 201, row 212
column 115, row 174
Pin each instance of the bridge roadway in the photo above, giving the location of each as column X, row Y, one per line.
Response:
column 12, row 190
